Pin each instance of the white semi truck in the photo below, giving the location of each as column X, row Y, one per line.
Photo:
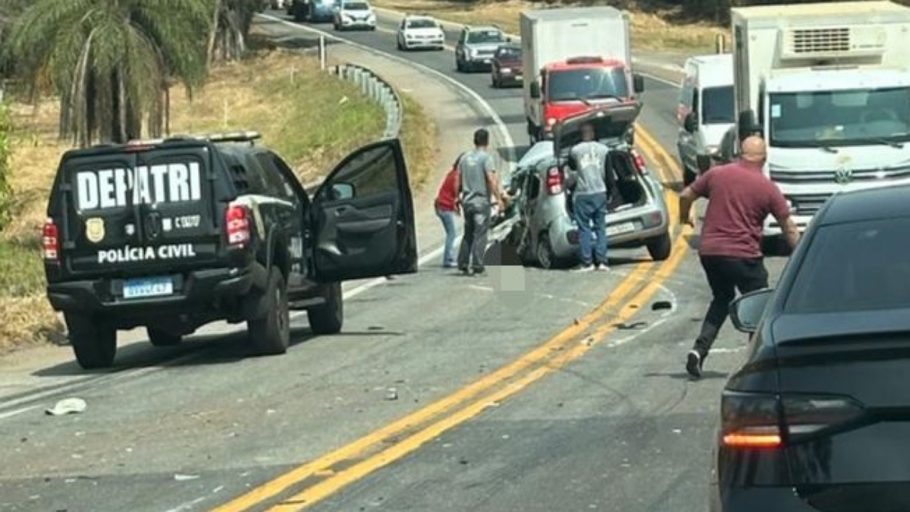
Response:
column 828, row 87
column 574, row 58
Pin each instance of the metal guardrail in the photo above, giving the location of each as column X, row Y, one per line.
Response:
column 379, row 91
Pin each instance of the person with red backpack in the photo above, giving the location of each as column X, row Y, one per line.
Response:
column 447, row 209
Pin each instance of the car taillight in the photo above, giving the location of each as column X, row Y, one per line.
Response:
column 51, row 240
column 554, row 181
column 237, row 225
column 763, row 421
column 639, row 161
column 750, row 420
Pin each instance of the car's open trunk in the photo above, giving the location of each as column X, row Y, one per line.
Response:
column 626, row 188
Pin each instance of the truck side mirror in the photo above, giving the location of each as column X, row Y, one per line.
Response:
column 535, row 90
column 690, row 123
column 638, row 83
column 748, row 124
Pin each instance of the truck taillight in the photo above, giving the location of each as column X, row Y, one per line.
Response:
column 639, row 162
column 237, row 225
column 554, row 181
column 51, row 240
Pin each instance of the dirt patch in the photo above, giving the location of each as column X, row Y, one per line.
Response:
column 655, row 27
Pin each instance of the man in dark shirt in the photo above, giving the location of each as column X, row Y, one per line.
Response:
column 740, row 198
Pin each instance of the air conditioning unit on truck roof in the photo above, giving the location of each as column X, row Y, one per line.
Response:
column 836, row 42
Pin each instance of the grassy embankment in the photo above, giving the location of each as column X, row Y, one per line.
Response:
column 657, row 28
column 312, row 119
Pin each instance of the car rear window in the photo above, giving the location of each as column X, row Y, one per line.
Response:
column 854, row 267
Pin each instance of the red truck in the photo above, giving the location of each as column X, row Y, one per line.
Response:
column 574, row 60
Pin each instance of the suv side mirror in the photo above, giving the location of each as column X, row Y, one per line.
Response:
column 535, row 89
column 748, row 124
column 690, row 123
column 508, row 39
column 747, row 310
column 638, row 83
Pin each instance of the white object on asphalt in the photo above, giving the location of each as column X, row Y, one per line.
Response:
column 181, row 478
column 67, row 406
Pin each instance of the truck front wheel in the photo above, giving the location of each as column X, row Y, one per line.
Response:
column 94, row 343
column 328, row 318
column 271, row 333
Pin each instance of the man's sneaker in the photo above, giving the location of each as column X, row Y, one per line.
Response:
column 480, row 271
column 602, row 268
column 693, row 364
column 584, row 268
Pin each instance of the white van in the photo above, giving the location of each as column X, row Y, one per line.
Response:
column 705, row 111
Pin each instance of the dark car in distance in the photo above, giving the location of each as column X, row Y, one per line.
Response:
column 506, row 68
column 817, row 418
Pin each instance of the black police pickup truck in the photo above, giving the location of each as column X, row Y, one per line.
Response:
column 173, row 234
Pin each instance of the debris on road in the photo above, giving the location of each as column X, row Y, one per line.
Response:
column 392, row 394
column 629, row 327
column 661, row 304
column 677, row 431
column 182, row 478
column 67, row 406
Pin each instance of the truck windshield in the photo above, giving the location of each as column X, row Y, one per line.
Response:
column 840, row 118
column 585, row 84
column 717, row 105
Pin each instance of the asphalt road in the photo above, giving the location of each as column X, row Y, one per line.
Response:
column 432, row 399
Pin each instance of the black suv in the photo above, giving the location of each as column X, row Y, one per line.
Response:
column 177, row 233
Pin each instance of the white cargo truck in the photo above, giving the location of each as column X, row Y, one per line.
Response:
column 573, row 59
column 828, row 87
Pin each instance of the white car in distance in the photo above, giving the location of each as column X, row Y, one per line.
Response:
column 355, row 14
column 420, row 32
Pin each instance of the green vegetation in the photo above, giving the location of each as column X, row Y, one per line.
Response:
column 6, row 191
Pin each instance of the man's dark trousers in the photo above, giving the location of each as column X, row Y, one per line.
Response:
column 725, row 276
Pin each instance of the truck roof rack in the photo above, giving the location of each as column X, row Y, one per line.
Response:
column 241, row 136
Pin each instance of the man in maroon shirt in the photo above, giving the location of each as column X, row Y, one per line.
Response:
column 740, row 197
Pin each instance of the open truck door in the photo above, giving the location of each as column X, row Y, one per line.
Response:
column 363, row 217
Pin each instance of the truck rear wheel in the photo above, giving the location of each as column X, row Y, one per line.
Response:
column 94, row 343
column 161, row 338
column 659, row 247
column 271, row 334
column 328, row 318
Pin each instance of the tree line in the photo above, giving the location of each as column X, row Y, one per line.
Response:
column 113, row 63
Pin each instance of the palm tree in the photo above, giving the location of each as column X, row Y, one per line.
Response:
column 110, row 61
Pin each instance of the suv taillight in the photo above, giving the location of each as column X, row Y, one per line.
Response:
column 51, row 241
column 639, row 162
column 237, row 225
column 765, row 421
column 554, row 181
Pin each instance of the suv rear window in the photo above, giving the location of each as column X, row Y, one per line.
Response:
column 854, row 267
column 485, row 36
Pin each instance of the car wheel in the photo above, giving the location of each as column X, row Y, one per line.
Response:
column 94, row 343
column 544, row 252
column 161, row 338
column 329, row 317
column 271, row 334
column 659, row 247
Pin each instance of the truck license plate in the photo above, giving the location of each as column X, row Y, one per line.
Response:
column 619, row 229
column 147, row 287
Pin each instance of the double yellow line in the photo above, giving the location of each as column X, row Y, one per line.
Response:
column 316, row 480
